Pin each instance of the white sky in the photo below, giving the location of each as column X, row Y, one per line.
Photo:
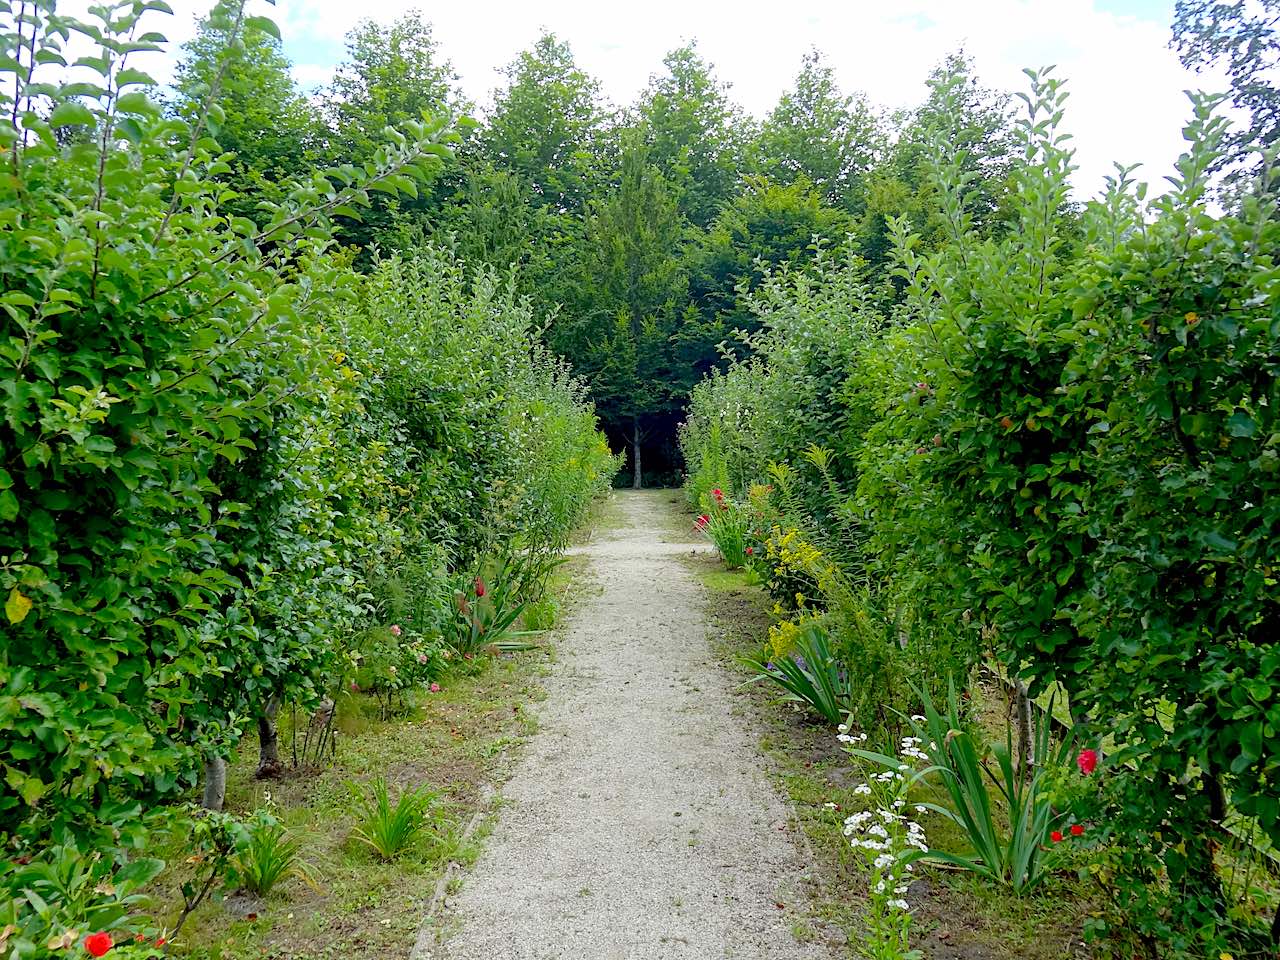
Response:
column 1127, row 100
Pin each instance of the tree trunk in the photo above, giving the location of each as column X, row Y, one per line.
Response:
column 635, row 453
column 268, row 742
column 215, row 784
column 1025, row 726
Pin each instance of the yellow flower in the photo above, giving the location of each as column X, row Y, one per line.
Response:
column 1225, row 956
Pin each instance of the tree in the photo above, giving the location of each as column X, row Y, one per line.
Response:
column 1243, row 38
column 545, row 125
column 765, row 226
column 818, row 133
column 619, row 334
column 976, row 121
column 392, row 75
column 694, row 133
column 272, row 130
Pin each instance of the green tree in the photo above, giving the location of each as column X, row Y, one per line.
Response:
column 546, row 124
column 765, row 226
column 259, row 116
column 977, row 122
column 619, row 333
column 818, row 133
column 695, row 134
column 393, row 74
column 1244, row 39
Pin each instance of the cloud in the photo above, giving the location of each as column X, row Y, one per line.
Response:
column 1126, row 86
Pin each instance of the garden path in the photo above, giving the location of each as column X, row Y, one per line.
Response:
column 638, row 824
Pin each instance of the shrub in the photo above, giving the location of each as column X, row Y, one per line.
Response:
column 810, row 674
column 386, row 829
column 725, row 523
column 267, row 854
column 163, row 367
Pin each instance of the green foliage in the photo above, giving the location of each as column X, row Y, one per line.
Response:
column 694, row 133
column 811, row 674
column 160, row 366
column 267, row 854
column 726, row 523
column 63, row 894
column 1240, row 39
column 545, row 126
column 818, row 134
column 1007, row 813
column 238, row 74
column 1061, row 451
column 388, row 829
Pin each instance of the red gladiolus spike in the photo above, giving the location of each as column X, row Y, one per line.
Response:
column 480, row 587
column 1087, row 761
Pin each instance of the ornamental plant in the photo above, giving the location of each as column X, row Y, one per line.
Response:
column 726, row 524
column 891, row 841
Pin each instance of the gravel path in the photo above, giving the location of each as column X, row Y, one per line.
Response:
column 638, row 825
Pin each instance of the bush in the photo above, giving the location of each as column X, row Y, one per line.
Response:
column 386, row 829
column 268, row 853
column 221, row 444
column 1063, row 453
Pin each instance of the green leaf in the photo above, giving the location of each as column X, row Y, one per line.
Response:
column 71, row 114
column 17, row 606
column 264, row 25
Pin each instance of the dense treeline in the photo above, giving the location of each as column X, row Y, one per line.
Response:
column 639, row 228
column 235, row 471
column 1057, row 454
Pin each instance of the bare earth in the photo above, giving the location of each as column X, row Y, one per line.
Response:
column 639, row 825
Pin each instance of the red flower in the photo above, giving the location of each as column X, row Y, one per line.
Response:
column 480, row 587
column 1077, row 830
column 1087, row 761
column 161, row 942
column 98, row 943
column 750, row 551
column 1056, row 836
column 702, row 521
column 717, row 493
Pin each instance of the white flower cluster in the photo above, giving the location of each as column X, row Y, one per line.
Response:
column 887, row 834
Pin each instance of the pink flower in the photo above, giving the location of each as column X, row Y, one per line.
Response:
column 435, row 688
column 480, row 587
column 422, row 658
column 355, row 687
column 1087, row 761
column 395, row 629
column 750, row 551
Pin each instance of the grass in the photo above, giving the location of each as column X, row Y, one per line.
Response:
column 957, row 916
column 459, row 744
